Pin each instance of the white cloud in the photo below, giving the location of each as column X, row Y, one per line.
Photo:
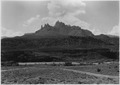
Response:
column 62, row 10
column 96, row 31
column 10, row 33
column 67, row 19
column 72, row 20
column 65, row 11
column 63, row 7
column 115, row 31
column 31, row 20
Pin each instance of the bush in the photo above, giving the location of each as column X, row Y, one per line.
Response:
column 98, row 70
column 115, row 67
column 54, row 64
column 68, row 64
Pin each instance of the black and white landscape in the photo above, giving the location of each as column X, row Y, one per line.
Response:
column 60, row 48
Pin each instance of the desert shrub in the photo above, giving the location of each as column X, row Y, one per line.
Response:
column 68, row 64
column 80, row 82
column 54, row 64
column 115, row 67
column 98, row 70
column 9, row 63
column 42, row 80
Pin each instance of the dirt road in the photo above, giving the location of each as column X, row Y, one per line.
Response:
column 93, row 74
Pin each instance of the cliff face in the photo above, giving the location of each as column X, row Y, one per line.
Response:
column 61, row 29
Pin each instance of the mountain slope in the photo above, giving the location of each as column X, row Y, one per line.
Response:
column 60, row 35
column 58, row 43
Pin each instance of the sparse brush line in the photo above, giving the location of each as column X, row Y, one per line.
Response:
column 93, row 74
column 20, row 69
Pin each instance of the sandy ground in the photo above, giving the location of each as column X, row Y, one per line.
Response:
column 105, row 69
column 54, row 75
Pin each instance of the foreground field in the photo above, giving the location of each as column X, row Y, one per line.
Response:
column 105, row 69
column 60, row 74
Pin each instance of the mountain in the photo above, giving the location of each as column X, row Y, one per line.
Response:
column 60, row 35
column 60, row 29
column 111, row 39
column 113, row 36
column 58, row 43
column 3, row 37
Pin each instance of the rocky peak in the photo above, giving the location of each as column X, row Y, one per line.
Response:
column 76, row 27
column 59, row 24
column 46, row 27
column 62, row 29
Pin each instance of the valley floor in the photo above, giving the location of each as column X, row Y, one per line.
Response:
column 46, row 74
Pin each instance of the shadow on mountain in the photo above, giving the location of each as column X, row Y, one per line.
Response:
column 60, row 43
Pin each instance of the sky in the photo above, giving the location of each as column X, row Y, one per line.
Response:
column 20, row 17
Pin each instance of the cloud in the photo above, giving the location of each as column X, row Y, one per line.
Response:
column 31, row 20
column 96, row 31
column 9, row 33
column 63, row 7
column 67, row 19
column 115, row 31
column 66, row 11
column 62, row 10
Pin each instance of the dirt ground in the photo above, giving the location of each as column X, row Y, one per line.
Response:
column 105, row 69
column 61, row 74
